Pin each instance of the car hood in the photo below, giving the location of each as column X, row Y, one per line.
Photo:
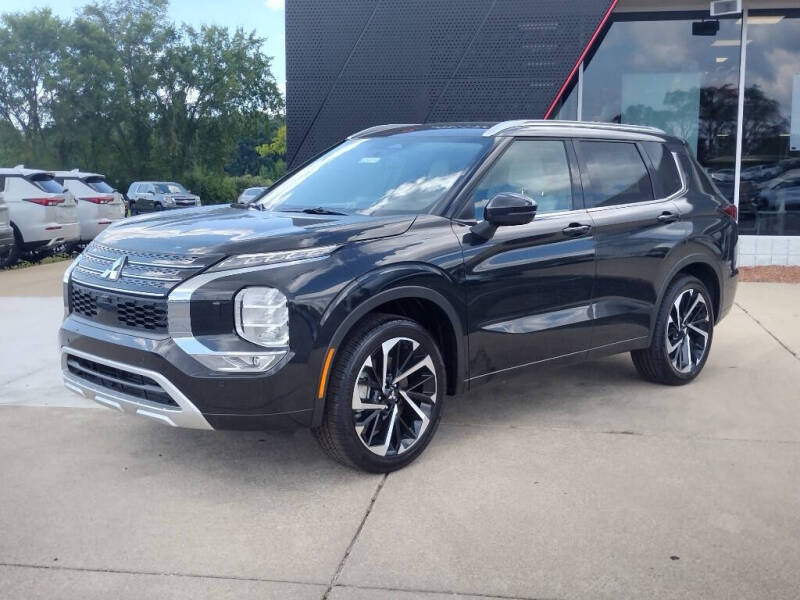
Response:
column 223, row 230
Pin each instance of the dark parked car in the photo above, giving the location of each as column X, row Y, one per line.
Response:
column 155, row 196
column 405, row 265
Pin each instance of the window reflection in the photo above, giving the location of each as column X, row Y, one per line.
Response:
column 651, row 69
column 769, row 200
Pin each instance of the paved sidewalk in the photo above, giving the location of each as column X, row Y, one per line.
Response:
column 577, row 483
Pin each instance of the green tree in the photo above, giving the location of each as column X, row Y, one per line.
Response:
column 31, row 45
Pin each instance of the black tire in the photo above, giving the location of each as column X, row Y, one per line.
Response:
column 10, row 256
column 132, row 208
column 656, row 363
column 338, row 435
column 158, row 207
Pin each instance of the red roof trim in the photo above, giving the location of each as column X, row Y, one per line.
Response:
column 580, row 59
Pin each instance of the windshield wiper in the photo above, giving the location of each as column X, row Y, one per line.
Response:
column 317, row 210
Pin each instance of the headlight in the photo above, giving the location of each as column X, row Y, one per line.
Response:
column 169, row 201
column 262, row 317
column 267, row 258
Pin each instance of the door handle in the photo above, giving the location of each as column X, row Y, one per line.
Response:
column 667, row 217
column 575, row 229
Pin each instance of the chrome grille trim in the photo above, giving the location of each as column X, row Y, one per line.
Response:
column 143, row 273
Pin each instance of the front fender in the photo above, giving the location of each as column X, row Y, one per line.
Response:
column 375, row 288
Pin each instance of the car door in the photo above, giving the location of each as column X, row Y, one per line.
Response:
column 147, row 196
column 635, row 227
column 528, row 288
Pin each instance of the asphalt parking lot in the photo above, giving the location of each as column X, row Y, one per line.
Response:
column 576, row 483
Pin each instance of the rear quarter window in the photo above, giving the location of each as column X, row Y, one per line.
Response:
column 667, row 178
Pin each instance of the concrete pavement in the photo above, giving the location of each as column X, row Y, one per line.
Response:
column 578, row 483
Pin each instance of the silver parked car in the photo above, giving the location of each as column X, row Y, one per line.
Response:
column 99, row 204
column 152, row 196
column 42, row 213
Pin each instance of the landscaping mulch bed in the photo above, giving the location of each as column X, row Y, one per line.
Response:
column 774, row 274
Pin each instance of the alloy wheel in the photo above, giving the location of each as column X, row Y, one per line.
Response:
column 394, row 396
column 688, row 328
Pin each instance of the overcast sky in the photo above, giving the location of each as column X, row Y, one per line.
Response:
column 265, row 16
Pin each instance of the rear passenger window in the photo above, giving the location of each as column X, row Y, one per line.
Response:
column 614, row 173
column 667, row 178
column 536, row 168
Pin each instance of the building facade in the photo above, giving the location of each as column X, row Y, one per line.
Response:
column 729, row 85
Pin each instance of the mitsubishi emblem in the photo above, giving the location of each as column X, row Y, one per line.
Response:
column 115, row 270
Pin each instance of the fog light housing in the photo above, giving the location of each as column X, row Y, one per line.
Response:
column 241, row 362
column 262, row 317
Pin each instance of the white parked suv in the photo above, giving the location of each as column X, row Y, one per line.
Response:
column 42, row 213
column 150, row 196
column 99, row 204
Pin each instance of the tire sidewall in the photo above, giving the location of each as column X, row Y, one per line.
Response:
column 677, row 288
column 346, row 376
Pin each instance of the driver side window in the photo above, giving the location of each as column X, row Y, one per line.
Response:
column 536, row 168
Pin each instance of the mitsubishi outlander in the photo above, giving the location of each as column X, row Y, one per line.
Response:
column 407, row 264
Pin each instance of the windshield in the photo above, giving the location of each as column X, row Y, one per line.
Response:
column 98, row 184
column 46, row 182
column 379, row 176
column 169, row 188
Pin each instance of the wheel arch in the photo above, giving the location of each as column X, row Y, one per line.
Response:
column 422, row 303
column 705, row 268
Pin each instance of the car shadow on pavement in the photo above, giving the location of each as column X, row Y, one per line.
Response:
column 251, row 458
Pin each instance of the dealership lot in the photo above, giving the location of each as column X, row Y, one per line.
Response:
column 577, row 483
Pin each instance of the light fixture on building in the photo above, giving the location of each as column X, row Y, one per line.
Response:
column 708, row 28
column 725, row 7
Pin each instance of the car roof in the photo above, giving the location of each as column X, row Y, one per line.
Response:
column 523, row 128
column 21, row 170
column 76, row 173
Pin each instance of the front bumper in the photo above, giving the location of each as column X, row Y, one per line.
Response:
column 204, row 398
column 185, row 414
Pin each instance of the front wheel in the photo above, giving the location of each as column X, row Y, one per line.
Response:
column 384, row 396
column 682, row 337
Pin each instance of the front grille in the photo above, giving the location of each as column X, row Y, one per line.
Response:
column 143, row 273
column 83, row 302
column 119, row 380
column 119, row 310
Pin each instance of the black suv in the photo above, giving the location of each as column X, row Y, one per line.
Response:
column 406, row 264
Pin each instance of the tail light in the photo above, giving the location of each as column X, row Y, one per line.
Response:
column 731, row 211
column 99, row 199
column 48, row 201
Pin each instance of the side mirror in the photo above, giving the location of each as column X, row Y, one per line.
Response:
column 505, row 209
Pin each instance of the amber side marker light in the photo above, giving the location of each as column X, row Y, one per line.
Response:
column 323, row 379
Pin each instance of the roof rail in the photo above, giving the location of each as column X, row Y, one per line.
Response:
column 379, row 128
column 506, row 125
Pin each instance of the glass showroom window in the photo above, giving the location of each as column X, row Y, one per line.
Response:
column 675, row 70
column 769, row 199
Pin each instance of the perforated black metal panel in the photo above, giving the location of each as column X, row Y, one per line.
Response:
column 356, row 63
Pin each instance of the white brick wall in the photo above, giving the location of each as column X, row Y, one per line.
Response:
column 758, row 250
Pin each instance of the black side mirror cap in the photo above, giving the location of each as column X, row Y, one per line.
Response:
column 503, row 210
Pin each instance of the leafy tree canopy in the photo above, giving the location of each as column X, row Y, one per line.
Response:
column 122, row 90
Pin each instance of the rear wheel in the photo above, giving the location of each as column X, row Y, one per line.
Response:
column 384, row 396
column 682, row 337
column 132, row 208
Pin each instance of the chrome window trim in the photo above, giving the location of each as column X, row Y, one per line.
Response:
column 185, row 415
